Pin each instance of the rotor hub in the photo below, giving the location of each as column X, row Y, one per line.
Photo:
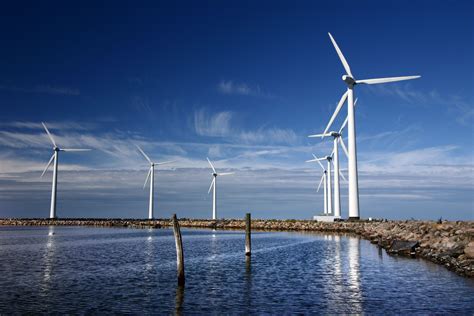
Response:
column 348, row 80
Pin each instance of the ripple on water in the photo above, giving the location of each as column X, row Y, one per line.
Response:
column 95, row 270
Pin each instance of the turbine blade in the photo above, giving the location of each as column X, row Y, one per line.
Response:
column 213, row 169
column 334, row 115
column 47, row 166
column 345, row 121
column 320, row 135
column 212, row 183
column 49, row 134
column 225, row 173
column 144, row 155
column 147, row 176
column 320, row 164
column 73, row 149
column 385, row 80
column 343, row 125
column 342, row 175
column 344, row 147
column 320, row 182
column 341, row 56
column 165, row 162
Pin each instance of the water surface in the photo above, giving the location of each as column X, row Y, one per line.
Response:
column 115, row 270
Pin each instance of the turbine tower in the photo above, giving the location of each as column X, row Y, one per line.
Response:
column 351, row 82
column 213, row 185
column 54, row 158
column 151, row 175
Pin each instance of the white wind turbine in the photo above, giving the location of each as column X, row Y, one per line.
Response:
column 151, row 175
column 327, row 172
column 213, row 185
column 326, row 179
column 349, row 79
column 55, row 157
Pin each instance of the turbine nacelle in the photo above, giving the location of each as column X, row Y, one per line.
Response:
column 215, row 174
column 335, row 134
column 349, row 80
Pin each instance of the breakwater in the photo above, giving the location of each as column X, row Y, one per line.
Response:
column 448, row 243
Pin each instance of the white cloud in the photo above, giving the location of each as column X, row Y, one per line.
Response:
column 462, row 108
column 265, row 172
column 220, row 125
column 229, row 87
column 212, row 125
column 64, row 125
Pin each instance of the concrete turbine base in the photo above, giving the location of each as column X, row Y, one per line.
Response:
column 325, row 218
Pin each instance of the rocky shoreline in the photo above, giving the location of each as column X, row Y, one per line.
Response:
column 447, row 243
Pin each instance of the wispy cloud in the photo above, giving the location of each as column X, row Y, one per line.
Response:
column 220, row 125
column 48, row 89
column 64, row 125
column 217, row 125
column 457, row 105
column 229, row 87
column 142, row 105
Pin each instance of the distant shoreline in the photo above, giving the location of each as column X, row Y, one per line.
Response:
column 447, row 243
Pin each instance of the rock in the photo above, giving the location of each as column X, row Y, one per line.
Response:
column 454, row 252
column 469, row 250
column 402, row 247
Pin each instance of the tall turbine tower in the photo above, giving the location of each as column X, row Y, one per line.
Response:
column 213, row 185
column 351, row 82
column 151, row 175
column 55, row 157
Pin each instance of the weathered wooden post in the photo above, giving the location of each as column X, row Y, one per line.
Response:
column 179, row 250
column 248, row 242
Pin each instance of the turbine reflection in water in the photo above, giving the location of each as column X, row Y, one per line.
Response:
column 149, row 251
column 354, row 273
column 48, row 261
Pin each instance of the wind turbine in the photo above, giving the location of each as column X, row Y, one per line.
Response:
column 337, row 139
column 349, row 79
column 151, row 175
column 326, row 178
column 55, row 157
column 327, row 181
column 213, row 185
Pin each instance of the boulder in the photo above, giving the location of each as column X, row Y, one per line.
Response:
column 469, row 250
column 403, row 247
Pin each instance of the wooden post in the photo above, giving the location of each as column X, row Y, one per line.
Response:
column 179, row 250
column 248, row 241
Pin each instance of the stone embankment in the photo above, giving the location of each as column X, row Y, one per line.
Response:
column 448, row 243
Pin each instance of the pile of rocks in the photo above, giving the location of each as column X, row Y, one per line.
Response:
column 448, row 243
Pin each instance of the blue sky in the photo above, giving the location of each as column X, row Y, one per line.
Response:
column 243, row 83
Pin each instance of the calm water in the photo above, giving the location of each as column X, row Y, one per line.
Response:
column 97, row 270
